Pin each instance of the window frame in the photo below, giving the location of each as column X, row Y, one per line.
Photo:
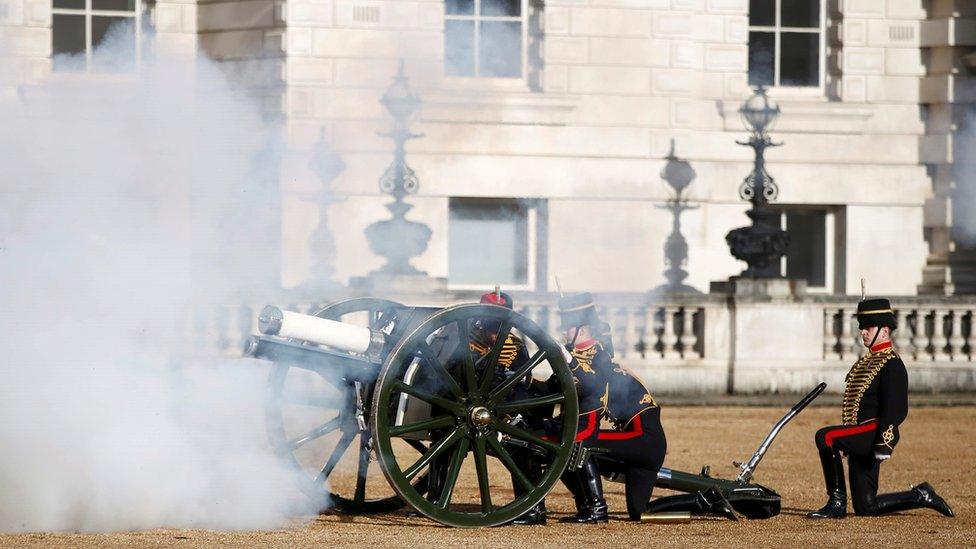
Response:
column 830, row 245
column 88, row 12
column 777, row 29
column 501, row 82
column 534, row 212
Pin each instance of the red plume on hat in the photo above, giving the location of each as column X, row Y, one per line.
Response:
column 497, row 298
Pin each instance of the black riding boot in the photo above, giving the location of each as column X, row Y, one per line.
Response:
column 536, row 515
column 833, row 470
column 594, row 508
column 707, row 501
column 921, row 496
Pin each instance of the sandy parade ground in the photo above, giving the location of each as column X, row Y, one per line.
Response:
column 938, row 445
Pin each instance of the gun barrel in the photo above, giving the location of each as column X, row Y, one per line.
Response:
column 322, row 331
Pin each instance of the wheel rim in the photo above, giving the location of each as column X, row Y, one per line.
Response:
column 330, row 449
column 470, row 413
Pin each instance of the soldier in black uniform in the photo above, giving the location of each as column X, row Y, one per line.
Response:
column 875, row 404
column 512, row 355
column 637, row 444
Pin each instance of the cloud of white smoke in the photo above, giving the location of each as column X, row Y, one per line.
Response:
column 129, row 202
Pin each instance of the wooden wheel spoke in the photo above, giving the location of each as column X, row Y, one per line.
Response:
column 519, row 405
column 467, row 361
column 436, row 422
column 506, row 386
column 510, row 464
column 481, row 468
column 449, row 405
column 522, row 434
column 491, row 359
column 428, row 356
column 337, row 453
column 433, row 452
column 315, row 433
column 453, row 470
column 360, row 493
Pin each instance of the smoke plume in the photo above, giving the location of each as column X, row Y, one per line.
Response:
column 131, row 202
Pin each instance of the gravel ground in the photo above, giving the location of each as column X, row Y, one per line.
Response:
column 937, row 445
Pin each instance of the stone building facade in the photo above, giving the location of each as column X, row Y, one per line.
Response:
column 547, row 126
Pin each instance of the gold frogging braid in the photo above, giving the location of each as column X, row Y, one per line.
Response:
column 859, row 379
column 508, row 354
column 584, row 358
column 888, row 436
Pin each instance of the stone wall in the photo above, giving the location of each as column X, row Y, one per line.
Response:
column 620, row 81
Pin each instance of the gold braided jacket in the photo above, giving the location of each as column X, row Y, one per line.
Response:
column 584, row 357
column 859, row 378
column 509, row 353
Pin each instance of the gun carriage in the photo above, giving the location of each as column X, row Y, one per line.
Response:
column 376, row 383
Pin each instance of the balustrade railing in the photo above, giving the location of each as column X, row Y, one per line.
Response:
column 937, row 331
column 660, row 337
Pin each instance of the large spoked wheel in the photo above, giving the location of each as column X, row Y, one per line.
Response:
column 319, row 424
column 472, row 407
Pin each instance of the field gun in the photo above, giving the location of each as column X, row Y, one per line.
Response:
column 404, row 381
column 371, row 382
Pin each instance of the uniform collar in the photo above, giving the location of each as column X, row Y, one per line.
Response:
column 881, row 346
column 581, row 345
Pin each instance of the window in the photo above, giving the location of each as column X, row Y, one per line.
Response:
column 493, row 241
column 810, row 256
column 786, row 43
column 78, row 27
column 485, row 38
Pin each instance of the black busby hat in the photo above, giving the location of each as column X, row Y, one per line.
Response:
column 577, row 310
column 497, row 298
column 875, row 312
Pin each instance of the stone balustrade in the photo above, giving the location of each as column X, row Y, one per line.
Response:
column 709, row 343
column 935, row 331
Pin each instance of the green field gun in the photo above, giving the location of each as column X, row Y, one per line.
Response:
column 368, row 384
column 380, row 383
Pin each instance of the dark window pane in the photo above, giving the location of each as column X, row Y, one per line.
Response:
column 115, row 5
column 761, row 53
column 69, row 4
column 459, row 7
column 459, row 48
column 806, row 256
column 500, row 50
column 68, row 38
column 762, row 13
column 114, row 40
column 800, row 13
column 501, row 8
column 800, row 64
column 481, row 229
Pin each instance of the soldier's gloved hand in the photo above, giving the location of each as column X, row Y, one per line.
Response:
column 882, row 455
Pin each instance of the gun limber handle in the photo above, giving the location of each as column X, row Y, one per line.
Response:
column 749, row 469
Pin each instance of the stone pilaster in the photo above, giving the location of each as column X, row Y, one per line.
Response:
column 948, row 39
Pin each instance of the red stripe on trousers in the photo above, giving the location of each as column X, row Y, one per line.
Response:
column 849, row 431
column 637, row 431
column 590, row 427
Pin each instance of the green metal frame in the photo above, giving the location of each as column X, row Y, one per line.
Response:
column 475, row 413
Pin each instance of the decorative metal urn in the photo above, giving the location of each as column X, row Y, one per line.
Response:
column 762, row 244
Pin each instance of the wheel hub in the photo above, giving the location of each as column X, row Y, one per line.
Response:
column 480, row 416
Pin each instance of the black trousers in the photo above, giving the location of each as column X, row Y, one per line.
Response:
column 857, row 441
column 639, row 449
